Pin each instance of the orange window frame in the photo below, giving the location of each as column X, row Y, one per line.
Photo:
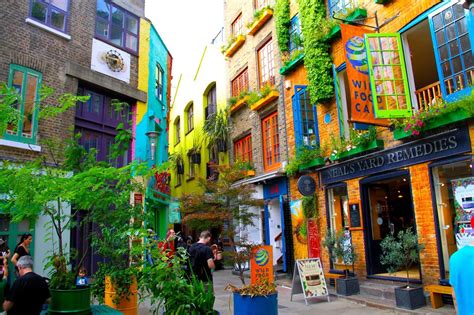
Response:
column 266, row 64
column 240, row 83
column 271, row 142
column 261, row 3
column 243, row 149
column 237, row 25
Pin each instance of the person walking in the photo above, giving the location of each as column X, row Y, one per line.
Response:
column 22, row 248
column 28, row 293
column 201, row 258
column 461, row 275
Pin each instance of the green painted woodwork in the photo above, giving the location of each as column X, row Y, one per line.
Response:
column 292, row 65
column 376, row 144
column 358, row 14
column 314, row 163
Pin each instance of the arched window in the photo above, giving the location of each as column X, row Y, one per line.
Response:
column 177, row 130
column 189, row 117
column 211, row 101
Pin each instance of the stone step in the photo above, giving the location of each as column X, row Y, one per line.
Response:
column 378, row 290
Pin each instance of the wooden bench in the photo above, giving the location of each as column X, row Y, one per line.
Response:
column 333, row 276
column 436, row 291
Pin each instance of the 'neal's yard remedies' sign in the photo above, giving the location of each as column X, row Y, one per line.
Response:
column 427, row 149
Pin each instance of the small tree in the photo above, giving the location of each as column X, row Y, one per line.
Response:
column 346, row 251
column 220, row 201
column 401, row 251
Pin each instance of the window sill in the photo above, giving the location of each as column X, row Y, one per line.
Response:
column 48, row 29
column 189, row 179
column 177, row 186
column 189, row 131
column 109, row 42
column 20, row 145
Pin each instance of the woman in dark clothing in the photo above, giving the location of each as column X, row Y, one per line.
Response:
column 23, row 248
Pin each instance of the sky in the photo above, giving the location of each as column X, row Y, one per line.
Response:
column 185, row 26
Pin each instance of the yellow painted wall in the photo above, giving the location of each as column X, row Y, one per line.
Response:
column 193, row 87
column 143, row 68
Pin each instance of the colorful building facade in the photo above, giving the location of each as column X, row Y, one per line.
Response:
column 405, row 176
column 150, row 126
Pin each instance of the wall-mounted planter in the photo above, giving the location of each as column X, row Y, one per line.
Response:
column 354, row 16
column 239, row 104
column 314, row 163
column 436, row 122
column 292, row 65
column 239, row 41
column 258, row 24
column 376, row 144
column 273, row 95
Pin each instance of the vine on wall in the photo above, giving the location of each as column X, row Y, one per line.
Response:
column 317, row 60
column 282, row 23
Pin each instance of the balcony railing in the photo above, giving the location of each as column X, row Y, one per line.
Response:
column 427, row 95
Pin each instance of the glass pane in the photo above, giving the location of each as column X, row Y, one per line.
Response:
column 465, row 43
column 131, row 41
column 450, row 87
column 468, row 59
column 397, row 72
column 451, row 32
column 443, row 52
column 60, row 4
column 454, row 48
column 457, row 66
column 374, row 43
column 400, row 87
column 101, row 28
column 470, row 75
column 389, row 43
column 388, row 87
column 458, row 11
column 440, row 37
column 132, row 25
column 437, row 21
column 38, row 11
column 116, row 36
column 58, row 19
column 117, row 16
column 103, row 9
column 24, row 226
column 446, row 69
column 402, row 104
column 448, row 16
column 392, row 103
column 17, row 83
column 30, row 104
column 461, row 26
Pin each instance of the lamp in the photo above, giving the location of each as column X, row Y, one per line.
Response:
column 153, row 137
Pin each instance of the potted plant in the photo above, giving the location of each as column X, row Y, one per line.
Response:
column 346, row 251
column 400, row 252
column 195, row 152
column 216, row 130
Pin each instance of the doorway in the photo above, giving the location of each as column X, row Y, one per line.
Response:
column 388, row 209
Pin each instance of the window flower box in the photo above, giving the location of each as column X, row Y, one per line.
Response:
column 258, row 24
column 239, row 104
column 292, row 65
column 273, row 95
column 314, row 163
column 376, row 144
column 435, row 122
column 239, row 41
column 358, row 14
column 250, row 173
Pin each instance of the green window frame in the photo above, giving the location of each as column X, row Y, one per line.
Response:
column 28, row 105
column 388, row 77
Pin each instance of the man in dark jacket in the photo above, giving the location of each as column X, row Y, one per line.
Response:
column 202, row 259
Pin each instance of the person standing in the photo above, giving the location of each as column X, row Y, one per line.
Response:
column 4, row 255
column 201, row 258
column 461, row 275
column 28, row 293
column 22, row 249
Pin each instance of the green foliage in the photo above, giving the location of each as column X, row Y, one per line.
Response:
column 318, row 62
column 9, row 115
column 232, row 39
column 234, row 99
column 244, row 166
column 254, row 97
column 340, row 248
column 330, row 243
column 257, row 15
column 282, row 24
column 216, row 127
column 357, row 139
column 418, row 121
column 310, row 206
column 304, row 155
column 400, row 251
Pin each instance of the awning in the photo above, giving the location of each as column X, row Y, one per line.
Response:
column 260, row 179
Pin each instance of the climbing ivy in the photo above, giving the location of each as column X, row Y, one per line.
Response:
column 282, row 23
column 317, row 61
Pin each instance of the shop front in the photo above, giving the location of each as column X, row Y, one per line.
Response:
column 426, row 185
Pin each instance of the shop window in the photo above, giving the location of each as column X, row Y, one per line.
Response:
column 159, row 82
column 338, row 201
column 177, row 130
column 306, row 120
column 271, row 142
column 211, row 98
column 26, row 83
column 190, row 117
column 450, row 28
column 453, row 185
column 388, row 78
column 237, row 25
column 116, row 25
column 266, row 64
column 53, row 13
column 241, row 83
column 295, row 33
column 243, row 149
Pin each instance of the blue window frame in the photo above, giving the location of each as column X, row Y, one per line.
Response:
column 159, row 82
column 295, row 33
column 27, row 83
column 452, row 43
column 53, row 13
column 305, row 118
column 116, row 25
column 339, row 7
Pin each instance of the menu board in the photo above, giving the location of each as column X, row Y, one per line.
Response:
column 308, row 278
column 354, row 216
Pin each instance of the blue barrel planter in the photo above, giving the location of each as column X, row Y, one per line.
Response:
column 257, row 305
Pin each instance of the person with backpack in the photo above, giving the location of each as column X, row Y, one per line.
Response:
column 202, row 259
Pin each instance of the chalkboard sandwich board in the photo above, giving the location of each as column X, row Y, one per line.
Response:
column 355, row 219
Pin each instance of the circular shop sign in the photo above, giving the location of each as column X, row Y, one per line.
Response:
column 306, row 185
